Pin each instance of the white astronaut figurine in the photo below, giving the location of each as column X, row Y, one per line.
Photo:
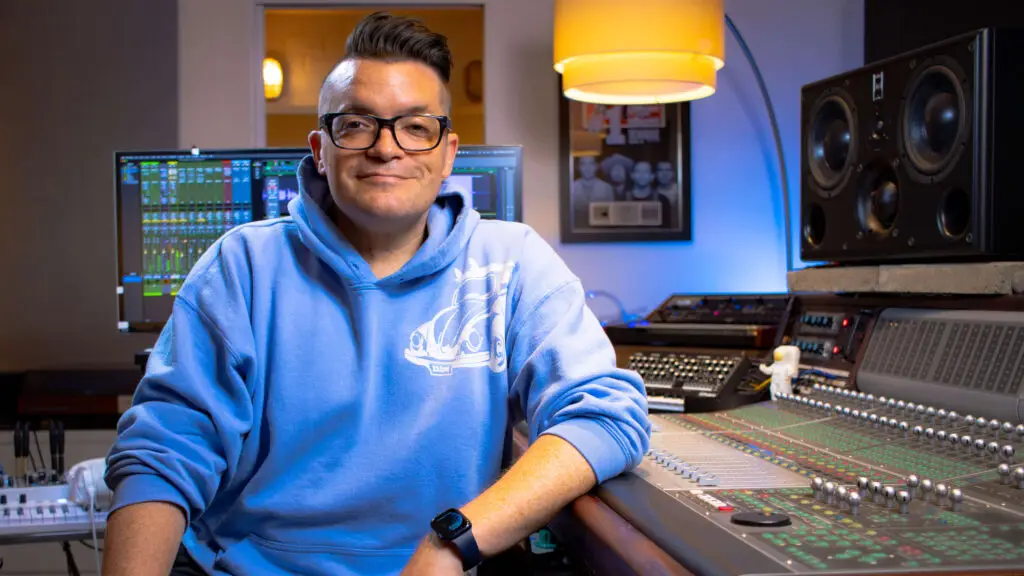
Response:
column 784, row 370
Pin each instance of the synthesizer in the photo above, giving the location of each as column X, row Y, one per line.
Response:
column 900, row 451
column 697, row 381
column 46, row 513
column 736, row 321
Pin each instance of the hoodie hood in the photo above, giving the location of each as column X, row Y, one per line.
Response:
column 450, row 225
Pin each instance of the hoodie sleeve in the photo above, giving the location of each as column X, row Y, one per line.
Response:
column 563, row 373
column 184, row 430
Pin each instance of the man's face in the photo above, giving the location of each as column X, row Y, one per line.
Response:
column 385, row 188
column 665, row 174
column 588, row 167
column 642, row 174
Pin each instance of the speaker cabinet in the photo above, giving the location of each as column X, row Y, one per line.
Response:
column 915, row 158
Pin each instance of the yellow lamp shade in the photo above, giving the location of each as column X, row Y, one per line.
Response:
column 640, row 52
column 273, row 79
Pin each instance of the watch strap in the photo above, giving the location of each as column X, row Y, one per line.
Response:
column 468, row 549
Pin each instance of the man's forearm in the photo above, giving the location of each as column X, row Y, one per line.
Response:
column 142, row 539
column 548, row 476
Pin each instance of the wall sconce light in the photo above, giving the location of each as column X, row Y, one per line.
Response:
column 643, row 52
column 273, row 79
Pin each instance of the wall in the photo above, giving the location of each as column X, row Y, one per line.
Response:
column 80, row 81
column 737, row 213
column 309, row 42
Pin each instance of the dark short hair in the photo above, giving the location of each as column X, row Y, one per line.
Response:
column 383, row 36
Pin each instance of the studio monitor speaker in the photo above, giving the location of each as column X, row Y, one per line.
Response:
column 917, row 158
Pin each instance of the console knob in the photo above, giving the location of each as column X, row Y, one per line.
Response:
column 883, row 422
column 901, row 405
column 903, row 499
column 966, row 441
column 893, row 424
column 1019, row 431
column 1018, row 477
column 1004, row 473
column 883, row 400
column 904, row 427
column 854, row 499
column 843, row 495
column 994, row 427
column 954, row 439
column 941, row 493
column 873, row 418
column 918, row 431
column 868, row 398
column 929, row 413
column 846, row 410
column 876, row 492
column 979, row 446
column 940, row 436
column 890, row 496
column 981, row 423
column 1008, row 430
column 929, row 433
column 828, row 407
column 920, row 410
column 816, row 486
column 911, row 408
column 863, row 486
column 957, row 496
column 913, row 481
column 855, row 414
column 952, row 417
column 993, row 448
column 942, row 413
column 926, row 489
column 1007, row 453
column 830, row 493
column 969, row 420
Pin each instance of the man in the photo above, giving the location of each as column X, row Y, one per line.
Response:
column 332, row 392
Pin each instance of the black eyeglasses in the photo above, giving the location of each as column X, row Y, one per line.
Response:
column 413, row 132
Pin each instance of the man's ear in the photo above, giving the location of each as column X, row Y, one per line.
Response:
column 451, row 145
column 316, row 139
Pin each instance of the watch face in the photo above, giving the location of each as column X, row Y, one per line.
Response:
column 450, row 524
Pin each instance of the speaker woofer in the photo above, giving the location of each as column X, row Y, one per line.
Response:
column 935, row 116
column 831, row 142
column 878, row 198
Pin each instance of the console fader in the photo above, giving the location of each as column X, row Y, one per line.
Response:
column 856, row 477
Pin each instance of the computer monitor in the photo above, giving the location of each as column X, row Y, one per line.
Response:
column 493, row 177
column 172, row 205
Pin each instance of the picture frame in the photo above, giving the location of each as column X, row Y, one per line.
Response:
column 624, row 172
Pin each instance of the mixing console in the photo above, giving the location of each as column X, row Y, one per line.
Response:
column 831, row 480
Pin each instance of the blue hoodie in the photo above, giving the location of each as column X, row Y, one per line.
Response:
column 311, row 418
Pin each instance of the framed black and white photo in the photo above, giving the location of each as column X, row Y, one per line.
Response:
column 625, row 172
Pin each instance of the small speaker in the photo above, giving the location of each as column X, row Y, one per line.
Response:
column 915, row 158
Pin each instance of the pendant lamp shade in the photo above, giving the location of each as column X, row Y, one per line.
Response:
column 639, row 52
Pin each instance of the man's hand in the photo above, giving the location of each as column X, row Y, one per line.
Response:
column 433, row 558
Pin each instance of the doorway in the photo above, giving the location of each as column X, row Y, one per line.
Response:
column 309, row 42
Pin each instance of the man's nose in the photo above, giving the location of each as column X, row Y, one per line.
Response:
column 386, row 147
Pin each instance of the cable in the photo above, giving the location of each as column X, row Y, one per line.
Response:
column 775, row 132
column 91, row 489
column 626, row 317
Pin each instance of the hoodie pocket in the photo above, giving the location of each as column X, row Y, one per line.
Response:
column 257, row 555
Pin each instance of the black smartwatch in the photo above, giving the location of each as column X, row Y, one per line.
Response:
column 452, row 527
